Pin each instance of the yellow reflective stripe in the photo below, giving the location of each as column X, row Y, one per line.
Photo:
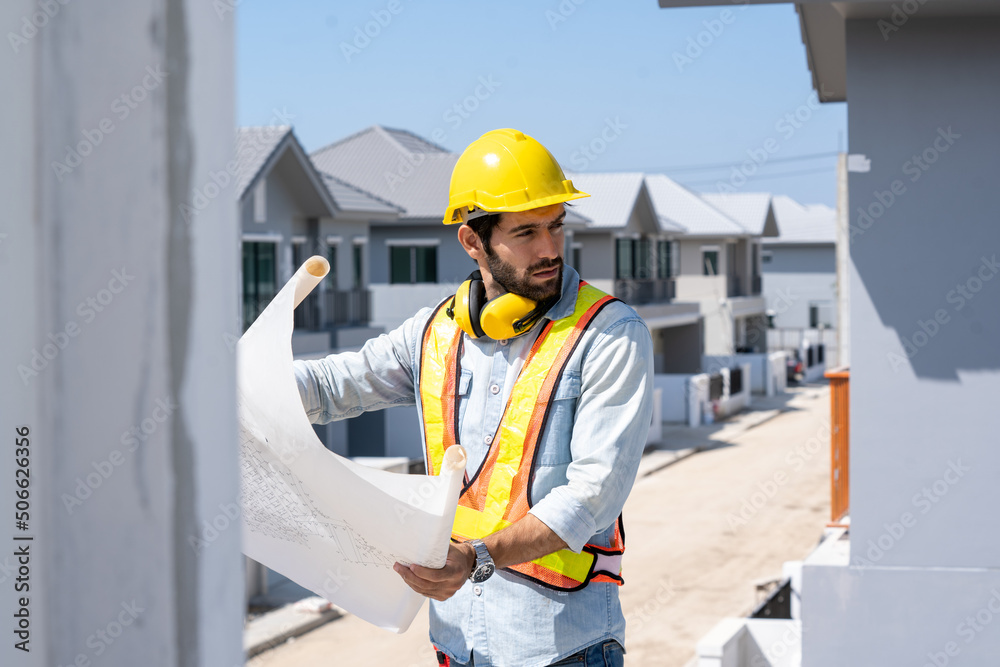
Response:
column 569, row 564
column 433, row 376
column 513, row 432
column 470, row 524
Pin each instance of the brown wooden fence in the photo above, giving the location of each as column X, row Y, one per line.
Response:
column 840, row 457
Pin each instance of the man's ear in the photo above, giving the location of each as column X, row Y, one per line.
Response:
column 471, row 242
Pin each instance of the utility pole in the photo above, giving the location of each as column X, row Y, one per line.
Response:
column 843, row 265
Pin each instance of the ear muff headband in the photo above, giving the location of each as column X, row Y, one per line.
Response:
column 468, row 300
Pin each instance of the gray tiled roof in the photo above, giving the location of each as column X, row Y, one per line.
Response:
column 813, row 223
column 350, row 198
column 254, row 145
column 257, row 146
column 396, row 166
column 749, row 209
column 676, row 204
column 612, row 197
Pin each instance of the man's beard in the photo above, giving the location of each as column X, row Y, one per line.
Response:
column 506, row 275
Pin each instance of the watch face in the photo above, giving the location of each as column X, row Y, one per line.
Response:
column 483, row 572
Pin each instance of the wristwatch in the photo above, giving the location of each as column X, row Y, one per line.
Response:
column 484, row 567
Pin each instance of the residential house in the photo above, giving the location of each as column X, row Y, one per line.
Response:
column 800, row 276
column 629, row 251
column 288, row 212
column 715, row 267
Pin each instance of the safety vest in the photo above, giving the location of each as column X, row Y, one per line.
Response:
column 499, row 493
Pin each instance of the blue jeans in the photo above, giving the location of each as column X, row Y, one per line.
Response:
column 607, row 654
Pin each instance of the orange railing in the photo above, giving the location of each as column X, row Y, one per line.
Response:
column 840, row 457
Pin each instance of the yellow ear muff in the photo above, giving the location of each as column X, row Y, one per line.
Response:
column 504, row 316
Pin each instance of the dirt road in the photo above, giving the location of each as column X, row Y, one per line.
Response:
column 700, row 533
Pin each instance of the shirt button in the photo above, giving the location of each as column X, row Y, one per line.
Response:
column 478, row 590
column 495, row 389
column 488, row 439
column 504, row 342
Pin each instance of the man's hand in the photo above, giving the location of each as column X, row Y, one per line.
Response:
column 443, row 583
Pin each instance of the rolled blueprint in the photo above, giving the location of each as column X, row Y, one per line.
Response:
column 332, row 526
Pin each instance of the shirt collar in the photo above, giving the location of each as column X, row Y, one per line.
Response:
column 566, row 305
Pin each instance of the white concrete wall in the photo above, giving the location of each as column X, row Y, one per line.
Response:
column 710, row 293
column 764, row 370
column 789, row 295
column 682, row 397
column 113, row 515
column 394, row 304
column 751, row 642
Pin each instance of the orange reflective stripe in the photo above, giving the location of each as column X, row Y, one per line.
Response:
column 499, row 493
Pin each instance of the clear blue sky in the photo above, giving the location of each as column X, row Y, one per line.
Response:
column 558, row 76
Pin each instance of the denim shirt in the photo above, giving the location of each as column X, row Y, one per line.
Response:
column 587, row 461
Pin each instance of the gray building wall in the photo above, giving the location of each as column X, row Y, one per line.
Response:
column 796, row 277
column 453, row 264
column 689, row 255
column 597, row 256
column 795, row 258
column 924, row 455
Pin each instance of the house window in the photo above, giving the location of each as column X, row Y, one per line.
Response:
column 643, row 259
column 765, row 257
column 664, row 268
column 710, row 261
column 412, row 264
column 259, row 278
column 358, row 273
column 576, row 251
column 820, row 314
column 623, row 258
column 331, row 256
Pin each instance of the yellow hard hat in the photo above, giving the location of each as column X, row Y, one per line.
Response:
column 506, row 171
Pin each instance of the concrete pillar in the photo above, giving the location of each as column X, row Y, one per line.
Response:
column 118, row 261
column 918, row 582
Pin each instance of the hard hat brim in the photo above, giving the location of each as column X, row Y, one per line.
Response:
column 458, row 214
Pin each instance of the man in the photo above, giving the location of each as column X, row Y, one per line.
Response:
column 547, row 383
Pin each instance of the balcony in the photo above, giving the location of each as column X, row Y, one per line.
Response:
column 348, row 307
column 640, row 292
column 734, row 285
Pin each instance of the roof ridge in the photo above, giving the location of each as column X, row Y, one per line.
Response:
column 702, row 200
column 354, row 135
column 412, row 134
column 264, row 127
